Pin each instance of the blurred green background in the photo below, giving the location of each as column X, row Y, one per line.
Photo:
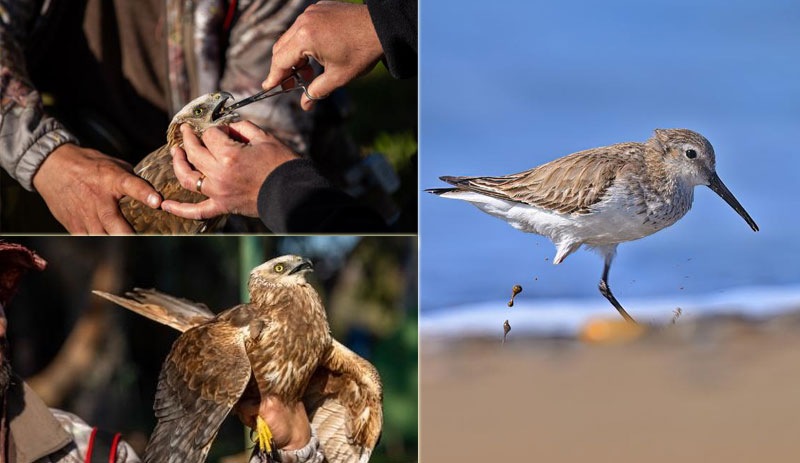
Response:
column 385, row 120
column 102, row 362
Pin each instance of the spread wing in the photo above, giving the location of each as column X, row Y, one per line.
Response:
column 343, row 398
column 567, row 185
column 199, row 383
column 344, row 402
column 177, row 313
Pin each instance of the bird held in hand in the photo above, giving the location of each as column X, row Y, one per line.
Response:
column 201, row 113
column 602, row 196
column 279, row 345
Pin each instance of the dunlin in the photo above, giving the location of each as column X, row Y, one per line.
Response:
column 603, row 196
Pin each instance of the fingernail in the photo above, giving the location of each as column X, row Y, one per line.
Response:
column 152, row 200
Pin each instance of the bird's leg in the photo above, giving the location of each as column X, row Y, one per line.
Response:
column 606, row 291
column 264, row 438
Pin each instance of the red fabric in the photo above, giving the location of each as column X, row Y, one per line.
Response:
column 15, row 260
column 112, row 455
column 90, row 447
column 226, row 26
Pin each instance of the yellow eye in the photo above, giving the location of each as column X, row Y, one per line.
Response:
column 198, row 111
column 278, row 268
column 217, row 96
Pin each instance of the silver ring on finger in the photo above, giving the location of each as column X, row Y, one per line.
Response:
column 199, row 186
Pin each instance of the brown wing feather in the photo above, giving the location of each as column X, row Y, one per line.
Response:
column 344, row 403
column 199, row 384
column 343, row 398
column 156, row 168
column 174, row 312
column 571, row 184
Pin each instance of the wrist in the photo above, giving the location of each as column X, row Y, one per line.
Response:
column 308, row 453
column 370, row 38
column 301, row 433
column 50, row 164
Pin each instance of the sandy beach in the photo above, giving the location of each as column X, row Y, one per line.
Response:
column 721, row 389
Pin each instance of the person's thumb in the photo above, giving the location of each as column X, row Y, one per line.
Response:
column 247, row 130
column 324, row 84
column 319, row 88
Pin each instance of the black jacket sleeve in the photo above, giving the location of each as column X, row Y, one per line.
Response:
column 296, row 198
column 395, row 22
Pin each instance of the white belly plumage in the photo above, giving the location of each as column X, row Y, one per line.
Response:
column 613, row 220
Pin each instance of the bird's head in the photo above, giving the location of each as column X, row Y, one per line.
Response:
column 201, row 113
column 281, row 271
column 688, row 154
column 690, row 157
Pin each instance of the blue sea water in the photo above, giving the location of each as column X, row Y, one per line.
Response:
column 508, row 86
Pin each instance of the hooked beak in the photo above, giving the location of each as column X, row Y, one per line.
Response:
column 305, row 264
column 220, row 109
column 719, row 188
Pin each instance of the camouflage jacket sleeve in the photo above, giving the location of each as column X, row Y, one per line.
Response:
column 259, row 23
column 27, row 134
column 81, row 433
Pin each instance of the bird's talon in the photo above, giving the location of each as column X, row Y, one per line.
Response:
column 265, row 442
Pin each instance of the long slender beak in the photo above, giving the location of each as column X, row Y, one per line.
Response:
column 719, row 188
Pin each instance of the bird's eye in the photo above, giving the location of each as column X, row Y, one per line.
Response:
column 198, row 111
column 278, row 268
column 217, row 96
column 691, row 154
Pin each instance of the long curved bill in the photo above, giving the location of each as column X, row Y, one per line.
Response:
column 719, row 188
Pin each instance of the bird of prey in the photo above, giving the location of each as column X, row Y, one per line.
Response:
column 201, row 113
column 602, row 196
column 277, row 344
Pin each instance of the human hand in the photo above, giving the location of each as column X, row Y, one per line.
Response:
column 339, row 36
column 82, row 187
column 234, row 170
column 288, row 423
